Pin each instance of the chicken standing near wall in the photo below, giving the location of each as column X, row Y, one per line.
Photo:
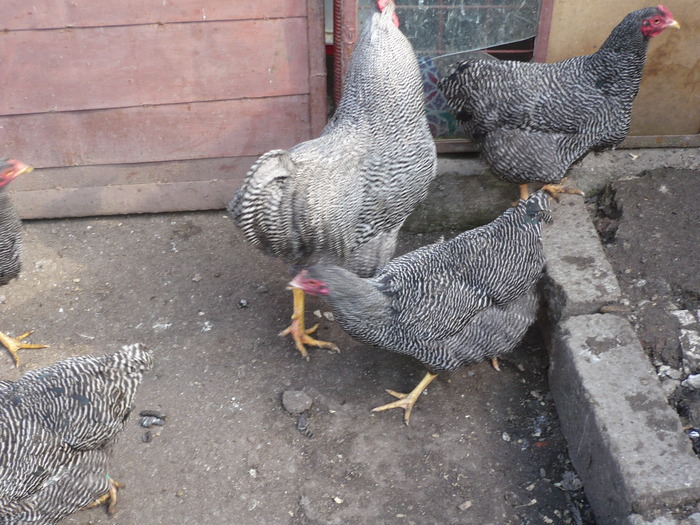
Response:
column 535, row 120
column 342, row 198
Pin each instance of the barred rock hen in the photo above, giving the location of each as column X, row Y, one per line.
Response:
column 535, row 120
column 448, row 304
column 343, row 196
column 56, row 426
column 10, row 245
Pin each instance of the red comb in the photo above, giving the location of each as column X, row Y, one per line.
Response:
column 381, row 4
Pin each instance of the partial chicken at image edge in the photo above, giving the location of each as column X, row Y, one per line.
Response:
column 56, row 427
column 11, row 246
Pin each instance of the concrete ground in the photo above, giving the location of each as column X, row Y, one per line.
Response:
column 483, row 447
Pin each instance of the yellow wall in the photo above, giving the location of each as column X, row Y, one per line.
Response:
column 669, row 98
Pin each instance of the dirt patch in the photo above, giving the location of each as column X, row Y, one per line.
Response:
column 650, row 227
column 483, row 447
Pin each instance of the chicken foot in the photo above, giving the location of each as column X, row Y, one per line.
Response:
column 298, row 330
column 406, row 401
column 14, row 344
column 555, row 189
column 109, row 497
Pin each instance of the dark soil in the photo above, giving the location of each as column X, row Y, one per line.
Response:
column 484, row 447
column 650, row 226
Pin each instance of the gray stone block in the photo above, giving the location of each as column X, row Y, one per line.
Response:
column 636, row 519
column 579, row 279
column 624, row 440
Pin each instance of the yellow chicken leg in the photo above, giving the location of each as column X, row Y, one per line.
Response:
column 13, row 344
column 109, row 497
column 298, row 329
column 555, row 189
column 524, row 192
column 406, row 401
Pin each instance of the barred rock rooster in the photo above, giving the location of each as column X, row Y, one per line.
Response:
column 449, row 304
column 10, row 245
column 343, row 196
column 535, row 120
column 56, row 428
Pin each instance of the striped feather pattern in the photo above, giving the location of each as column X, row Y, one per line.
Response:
column 344, row 195
column 451, row 303
column 56, row 426
column 535, row 120
column 10, row 239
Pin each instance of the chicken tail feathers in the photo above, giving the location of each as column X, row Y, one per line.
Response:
column 256, row 207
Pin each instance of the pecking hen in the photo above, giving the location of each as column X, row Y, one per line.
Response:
column 448, row 304
column 11, row 244
column 343, row 196
column 56, row 426
column 535, row 120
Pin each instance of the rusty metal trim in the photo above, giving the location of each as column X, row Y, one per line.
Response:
column 543, row 29
column 317, row 66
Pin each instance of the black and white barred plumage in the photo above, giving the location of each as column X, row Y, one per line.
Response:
column 344, row 196
column 451, row 303
column 535, row 120
column 56, row 426
column 10, row 238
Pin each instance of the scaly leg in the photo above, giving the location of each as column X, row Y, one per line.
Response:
column 13, row 344
column 406, row 401
column 109, row 497
column 524, row 192
column 555, row 189
column 298, row 328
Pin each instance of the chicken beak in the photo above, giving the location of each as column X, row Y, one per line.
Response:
column 674, row 23
column 24, row 168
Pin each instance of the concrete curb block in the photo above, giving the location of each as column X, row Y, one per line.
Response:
column 624, row 440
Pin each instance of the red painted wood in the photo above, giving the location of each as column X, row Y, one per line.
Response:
column 117, row 200
column 199, row 170
column 44, row 14
column 98, row 68
column 543, row 29
column 157, row 133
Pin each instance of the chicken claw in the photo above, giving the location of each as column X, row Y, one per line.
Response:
column 555, row 189
column 406, row 401
column 13, row 344
column 298, row 329
column 109, row 497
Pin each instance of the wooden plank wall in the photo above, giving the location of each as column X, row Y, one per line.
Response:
column 153, row 106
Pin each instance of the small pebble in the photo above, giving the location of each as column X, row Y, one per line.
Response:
column 147, row 437
column 465, row 505
column 296, row 401
column 692, row 382
column 149, row 421
column 243, row 303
